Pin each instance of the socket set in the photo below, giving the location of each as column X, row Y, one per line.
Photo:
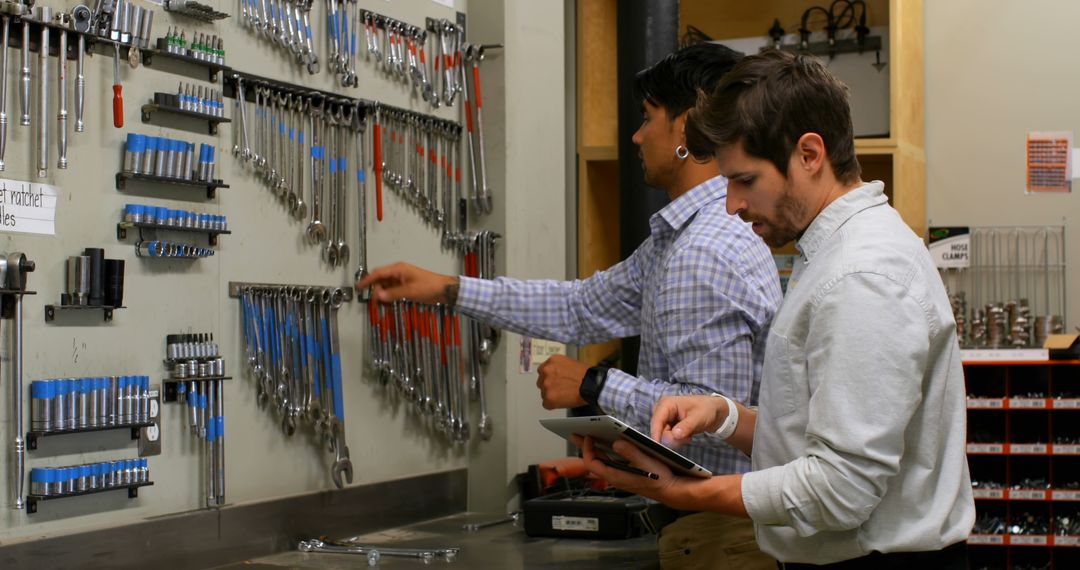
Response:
column 122, row 21
column 71, row 404
column 61, row 481
column 164, row 249
column 193, row 356
column 93, row 280
column 208, row 48
column 194, row 99
column 168, row 158
column 185, row 219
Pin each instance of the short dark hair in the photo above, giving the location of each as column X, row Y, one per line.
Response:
column 770, row 100
column 674, row 82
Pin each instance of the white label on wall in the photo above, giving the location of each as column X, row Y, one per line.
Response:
column 1067, row 540
column 1027, row 495
column 584, row 524
column 1065, row 495
column 986, row 539
column 447, row 3
column 1034, row 540
column 535, row 351
column 27, row 207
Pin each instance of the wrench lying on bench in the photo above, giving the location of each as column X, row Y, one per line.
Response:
column 374, row 553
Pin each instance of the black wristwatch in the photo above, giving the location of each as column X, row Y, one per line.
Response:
column 592, row 384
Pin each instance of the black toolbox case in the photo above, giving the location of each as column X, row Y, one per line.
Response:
column 593, row 515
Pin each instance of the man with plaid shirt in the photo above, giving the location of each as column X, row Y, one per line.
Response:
column 701, row 291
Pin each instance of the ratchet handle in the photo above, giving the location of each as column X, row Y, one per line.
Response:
column 118, row 106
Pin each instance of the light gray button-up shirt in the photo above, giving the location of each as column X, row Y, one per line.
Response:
column 860, row 436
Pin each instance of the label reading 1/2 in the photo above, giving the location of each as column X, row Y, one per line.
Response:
column 583, row 524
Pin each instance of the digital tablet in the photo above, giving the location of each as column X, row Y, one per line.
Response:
column 605, row 430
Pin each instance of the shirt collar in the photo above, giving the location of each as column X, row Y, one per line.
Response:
column 837, row 213
column 676, row 214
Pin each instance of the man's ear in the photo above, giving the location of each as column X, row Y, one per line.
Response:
column 810, row 154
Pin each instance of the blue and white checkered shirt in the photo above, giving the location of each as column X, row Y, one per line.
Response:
column 701, row 291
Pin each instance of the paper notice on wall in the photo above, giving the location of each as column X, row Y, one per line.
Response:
column 27, row 207
column 535, row 351
column 1049, row 162
column 950, row 248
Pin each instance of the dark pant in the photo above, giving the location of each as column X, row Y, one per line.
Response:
column 949, row 558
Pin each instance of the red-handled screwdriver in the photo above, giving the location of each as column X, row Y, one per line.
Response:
column 118, row 98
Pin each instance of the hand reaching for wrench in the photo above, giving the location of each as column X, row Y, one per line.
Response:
column 559, row 380
column 405, row 281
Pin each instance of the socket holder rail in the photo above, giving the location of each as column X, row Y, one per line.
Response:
column 123, row 227
column 50, row 310
column 170, row 393
column 15, row 35
column 33, row 435
column 132, row 489
column 7, row 301
column 211, row 186
column 160, row 106
column 236, row 288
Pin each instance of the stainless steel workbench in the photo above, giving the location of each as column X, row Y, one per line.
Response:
column 501, row 547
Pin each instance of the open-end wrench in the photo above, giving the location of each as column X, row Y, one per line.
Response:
column 485, row 202
column 359, row 125
column 509, row 518
column 345, row 120
column 312, row 353
column 64, row 20
column 330, row 250
column 316, row 231
column 342, row 463
column 242, row 148
column 299, row 153
column 374, row 553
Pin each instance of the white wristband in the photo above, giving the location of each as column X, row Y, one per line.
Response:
column 731, row 422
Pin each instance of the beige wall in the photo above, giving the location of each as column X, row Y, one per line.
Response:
column 526, row 141
column 996, row 69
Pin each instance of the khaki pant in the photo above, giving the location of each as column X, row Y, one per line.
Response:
column 704, row 541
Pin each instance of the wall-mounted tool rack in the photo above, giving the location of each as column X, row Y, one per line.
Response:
column 132, row 489
column 107, row 315
column 211, row 187
column 236, row 288
column 212, row 121
column 33, row 435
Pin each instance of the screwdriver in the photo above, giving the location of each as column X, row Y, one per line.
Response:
column 118, row 98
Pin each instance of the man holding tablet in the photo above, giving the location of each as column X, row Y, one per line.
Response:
column 701, row 291
column 859, row 442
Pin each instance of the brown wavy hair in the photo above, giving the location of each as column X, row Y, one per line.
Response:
column 769, row 100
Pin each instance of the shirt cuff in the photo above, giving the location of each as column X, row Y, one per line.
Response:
column 617, row 383
column 763, row 496
column 475, row 295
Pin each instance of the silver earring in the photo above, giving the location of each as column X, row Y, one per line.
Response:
column 681, row 152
